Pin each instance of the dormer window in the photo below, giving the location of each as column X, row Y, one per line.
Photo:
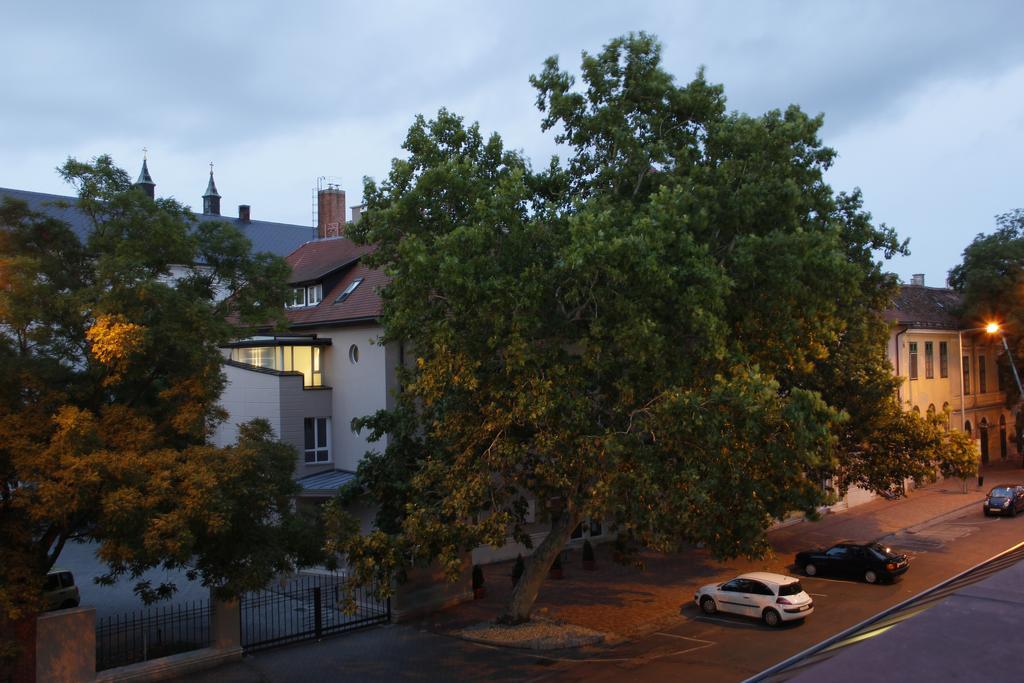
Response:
column 348, row 290
column 310, row 295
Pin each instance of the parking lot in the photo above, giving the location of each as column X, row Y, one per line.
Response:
column 724, row 647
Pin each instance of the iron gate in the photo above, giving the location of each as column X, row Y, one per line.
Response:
column 307, row 607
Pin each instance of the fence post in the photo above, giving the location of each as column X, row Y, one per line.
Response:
column 225, row 624
column 318, row 618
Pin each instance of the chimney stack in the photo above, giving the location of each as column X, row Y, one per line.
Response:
column 330, row 212
column 357, row 212
column 243, row 213
column 917, row 279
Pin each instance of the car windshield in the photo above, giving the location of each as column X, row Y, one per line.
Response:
column 1001, row 492
column 791, row 588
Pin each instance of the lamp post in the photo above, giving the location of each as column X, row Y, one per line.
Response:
column 990, row 328
column 993, row 328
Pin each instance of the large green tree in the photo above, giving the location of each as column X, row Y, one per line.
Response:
column 991, row 279
column 110, row 375
column 677, row 329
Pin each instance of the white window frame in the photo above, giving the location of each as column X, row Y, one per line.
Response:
column 314, row 294
column 320, row 452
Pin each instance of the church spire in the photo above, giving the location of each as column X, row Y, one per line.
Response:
column 211, row 200
column 145, row 181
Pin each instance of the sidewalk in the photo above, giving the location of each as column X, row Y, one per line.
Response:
column 630, row 602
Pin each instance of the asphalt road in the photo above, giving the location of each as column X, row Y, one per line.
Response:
column 120, row 598
column 697, row 648
column 727, row 648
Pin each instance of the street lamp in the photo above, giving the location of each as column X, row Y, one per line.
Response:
column 990, row 328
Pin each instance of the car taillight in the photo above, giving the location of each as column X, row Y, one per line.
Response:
column 891, row 566
column 785, row 601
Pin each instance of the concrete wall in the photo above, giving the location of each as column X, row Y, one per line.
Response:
column 66, row 645
column 359, row 388
column 247, row 395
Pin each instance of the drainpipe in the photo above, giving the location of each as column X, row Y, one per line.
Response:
column 899, row 388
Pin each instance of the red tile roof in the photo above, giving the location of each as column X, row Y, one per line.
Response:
column 313, row 260
column 918, row 306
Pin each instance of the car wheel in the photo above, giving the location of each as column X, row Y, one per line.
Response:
column 871, row 576
column 810, row 569
column 1013, row 510
column 771, row 618
column 987, row 513
column 707, row 604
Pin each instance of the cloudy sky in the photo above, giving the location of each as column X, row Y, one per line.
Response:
column 923, row 101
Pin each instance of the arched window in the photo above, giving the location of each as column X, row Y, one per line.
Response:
column 967, row 427
column 917, row 410
column 931, row 410
column 983, row 435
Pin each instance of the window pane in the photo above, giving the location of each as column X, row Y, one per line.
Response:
column 321, row 432
column 913, row 360
column 982, row 375
column 929, row 361
column 967, row 374
column 308, row 423
column 303, row 362
column 943, row 359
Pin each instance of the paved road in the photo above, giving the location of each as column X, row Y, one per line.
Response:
column 119, row 598
column 696, row 648
column 726, row 648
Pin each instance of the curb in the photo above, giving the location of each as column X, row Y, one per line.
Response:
column 938, row 520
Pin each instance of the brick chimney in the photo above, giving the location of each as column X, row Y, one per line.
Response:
column 243, row 213
column 330, row 212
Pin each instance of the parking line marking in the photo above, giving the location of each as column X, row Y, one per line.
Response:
column 728, row 621
column 673, row 635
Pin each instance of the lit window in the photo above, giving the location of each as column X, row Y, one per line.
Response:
column 317, row 431
column 348, row 290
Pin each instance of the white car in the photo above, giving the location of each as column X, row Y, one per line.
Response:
column 773, row 598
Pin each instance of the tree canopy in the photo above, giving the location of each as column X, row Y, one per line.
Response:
column 110, row 374
column 676, row 329
column 991, row 279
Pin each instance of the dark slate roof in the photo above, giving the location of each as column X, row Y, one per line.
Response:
column 144, row 177
column 919, row 306
column 211, row 187
column 280, row 239
column 325, row 482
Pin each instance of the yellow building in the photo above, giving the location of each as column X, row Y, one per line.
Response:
column 950, row 365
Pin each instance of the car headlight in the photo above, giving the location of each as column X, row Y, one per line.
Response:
column 1006, row 503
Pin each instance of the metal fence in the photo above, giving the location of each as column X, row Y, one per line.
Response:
column 150, row 633
column 307, row 607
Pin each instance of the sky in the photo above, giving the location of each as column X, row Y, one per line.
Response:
column 923, row 101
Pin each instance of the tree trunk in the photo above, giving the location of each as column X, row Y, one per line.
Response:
column 536, row 568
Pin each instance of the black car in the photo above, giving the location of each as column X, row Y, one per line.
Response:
column 869, row 561
column 1005, row 499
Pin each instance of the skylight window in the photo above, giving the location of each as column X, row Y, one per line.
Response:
column 348, row 290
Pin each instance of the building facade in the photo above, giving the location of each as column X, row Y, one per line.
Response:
column 950, row 366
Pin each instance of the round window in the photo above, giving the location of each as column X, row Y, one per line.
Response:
column 353, row 353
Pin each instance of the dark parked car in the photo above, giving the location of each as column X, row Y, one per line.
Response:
column 869, row 561
column 1005, row 499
